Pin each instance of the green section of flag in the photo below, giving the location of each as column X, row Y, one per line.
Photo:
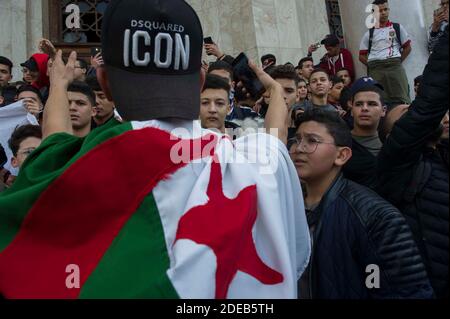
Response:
column 135, row 265
column 44, row 166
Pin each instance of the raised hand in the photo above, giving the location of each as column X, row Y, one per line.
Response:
column 60, row 73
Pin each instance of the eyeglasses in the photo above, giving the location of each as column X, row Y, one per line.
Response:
column 307, row 145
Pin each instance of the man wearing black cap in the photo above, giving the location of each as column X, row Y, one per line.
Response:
column 168, row 210
column 5, row 71
column 336, row 58
column 368, row 109
column 30, row 71
column 268, row 60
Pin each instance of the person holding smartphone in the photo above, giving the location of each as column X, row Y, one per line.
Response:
column 213, row 49
column 440, row 22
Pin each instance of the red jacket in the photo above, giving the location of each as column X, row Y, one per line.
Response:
column 345, row 60
column 42, row 61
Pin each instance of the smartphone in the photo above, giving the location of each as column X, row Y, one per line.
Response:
column 95, row 51
column 208, row 40
column 242, row 72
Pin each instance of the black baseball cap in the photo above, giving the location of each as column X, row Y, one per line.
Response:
column 363, row 83
column 331, row 40
column 268, row 57
column 152, row 51
column 31, row 65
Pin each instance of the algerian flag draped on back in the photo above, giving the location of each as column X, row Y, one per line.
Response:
column 143, row 213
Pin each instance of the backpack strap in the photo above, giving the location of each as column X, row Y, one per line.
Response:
column 371, row 33
column 399, row 34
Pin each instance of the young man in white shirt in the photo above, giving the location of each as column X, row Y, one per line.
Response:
column 383, row 50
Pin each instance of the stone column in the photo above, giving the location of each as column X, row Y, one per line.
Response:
column 410, row 13
column 21, row 25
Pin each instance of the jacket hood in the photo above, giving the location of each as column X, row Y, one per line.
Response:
column 42, row 62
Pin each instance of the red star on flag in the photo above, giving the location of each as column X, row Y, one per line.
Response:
column 225, row 225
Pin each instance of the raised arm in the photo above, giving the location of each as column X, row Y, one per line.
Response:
column 277, row 114
column 56, row 112
column 410, row 134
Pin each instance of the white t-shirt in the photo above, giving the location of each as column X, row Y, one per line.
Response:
column 385, row 44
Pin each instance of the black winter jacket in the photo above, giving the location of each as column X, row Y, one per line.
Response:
column 414, row 177
column 356, row 229
column 362, row 166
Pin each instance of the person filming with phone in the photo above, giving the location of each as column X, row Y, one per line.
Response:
column 212, row 48
column 336, row 58
column 440, row 22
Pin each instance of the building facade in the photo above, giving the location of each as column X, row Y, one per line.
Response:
column 285, row 28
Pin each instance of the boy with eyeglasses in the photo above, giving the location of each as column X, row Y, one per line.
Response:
column 362, row 246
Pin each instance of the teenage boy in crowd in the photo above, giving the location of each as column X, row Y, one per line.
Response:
column 305, row 68
column 320, row 86
column 336, row 58
column 352, row 228
column 214, row 103
column 81, row 108
column 104, row 107
column 5, row 71
column 368, row 109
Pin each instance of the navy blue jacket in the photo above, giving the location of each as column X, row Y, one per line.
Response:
column 356, row 229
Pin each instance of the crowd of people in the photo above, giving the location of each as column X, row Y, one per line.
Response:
column 373, row 164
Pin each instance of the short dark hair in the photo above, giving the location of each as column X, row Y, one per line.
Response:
column 336, row 80
column 335, row 125
column 319, row 70
column 7, row 62
column 346, row 96
column 93, row 83
column 30, row 88
column 83, row 88
column 221, row 65
column 302, row 61
column 343, row 69
column 269, row 56
column 369, row 88
column 300, row 80
column 216, row 82
column 286, row 71
column 20, row 134
column 380, row 2
column 83, row 64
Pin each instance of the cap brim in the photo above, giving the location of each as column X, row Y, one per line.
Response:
column 29, row 66
column 143, row 97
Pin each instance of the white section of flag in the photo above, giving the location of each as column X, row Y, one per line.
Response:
column 280, row 233
column 11, row 116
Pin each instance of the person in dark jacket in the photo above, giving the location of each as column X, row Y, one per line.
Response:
column 368, row 110
column 362, row 245
column 413, row 168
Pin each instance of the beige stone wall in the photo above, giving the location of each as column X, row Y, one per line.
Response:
column 21, row 26
column 281, row 27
